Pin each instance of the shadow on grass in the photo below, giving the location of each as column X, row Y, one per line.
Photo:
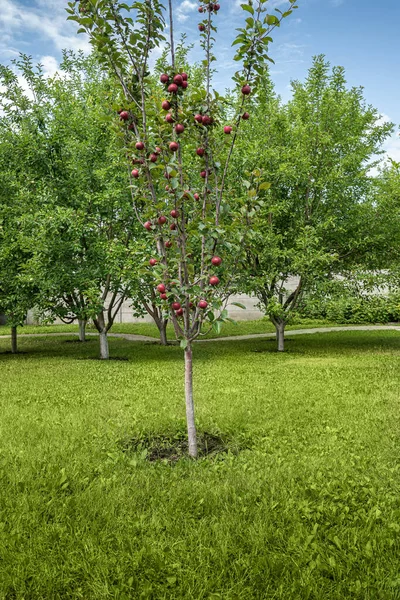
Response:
column 340, row 343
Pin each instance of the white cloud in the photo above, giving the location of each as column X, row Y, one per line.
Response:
column 50, row 65
column 45, row 19
column 184, row 8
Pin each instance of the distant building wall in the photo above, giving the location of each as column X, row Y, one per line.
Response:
column 251, row 313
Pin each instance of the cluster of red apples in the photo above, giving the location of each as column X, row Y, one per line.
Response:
column 175, row 305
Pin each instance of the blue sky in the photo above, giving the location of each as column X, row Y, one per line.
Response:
column 362, row 36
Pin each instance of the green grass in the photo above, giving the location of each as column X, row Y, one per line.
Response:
column 309, row 509
column 149, row 329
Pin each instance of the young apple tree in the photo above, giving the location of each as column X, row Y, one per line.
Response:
column 184, row 210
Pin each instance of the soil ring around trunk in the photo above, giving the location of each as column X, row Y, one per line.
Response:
column 171, row 448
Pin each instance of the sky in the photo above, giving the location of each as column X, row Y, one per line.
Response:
column 360, row 35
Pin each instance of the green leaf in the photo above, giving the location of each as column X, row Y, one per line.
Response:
column 239, row 305
column 247, row 7
column 184, row 344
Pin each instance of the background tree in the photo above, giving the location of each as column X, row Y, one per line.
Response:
column 184, row 121
column 306, row 209
column 82, row 231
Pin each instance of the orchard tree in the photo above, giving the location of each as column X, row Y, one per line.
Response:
column 305, row 208
column 83, row 230
column 184, row 212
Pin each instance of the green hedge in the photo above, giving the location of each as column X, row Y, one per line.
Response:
column 361, row 309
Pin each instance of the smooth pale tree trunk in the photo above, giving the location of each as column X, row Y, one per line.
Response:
column 190, row 419
column 82, row 330
column 102, row 329
column 280, row 336
column 162, row 328
column 104, row 349
column 14, row 343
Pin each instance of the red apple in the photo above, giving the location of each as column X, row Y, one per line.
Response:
column 163, row 296
column 173, row 146
column 148, row 225
column 139, row 146
column 202, row 27
column 164, row 78
column 179, row 313
column 203, row 304
column 172, row 226
column 135, row 173
column 217, row 7
column 198, row 118
column 167, row 175
column 206, row 120
column 173, row 88
column 165, row 105
column 161, row 288
column 174, row 214
column 214, row 280
column 152, row 262
column 179, row 128
column 124, row 115
column 245, row 116
column 201, row 9
column 157, row 150
column 161, row 220
column 216, row 260
column 184, row 85
column 176, row 305
column 168, row 244
column 200, row 151
column 169, row 118
column 131, row 127
column 196, row 196
column 203, row 174
column 184, row 76
column 246, row 90
column 153, row 158
column 227, row 129
column 178, row 79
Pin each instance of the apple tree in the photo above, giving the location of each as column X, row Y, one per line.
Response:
column 184, row 211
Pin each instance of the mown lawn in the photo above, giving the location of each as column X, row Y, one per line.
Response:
column 306, row 505
column 258, row 326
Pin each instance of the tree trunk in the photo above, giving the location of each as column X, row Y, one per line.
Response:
column 104, row 350
column 14, row 344
column 102, row 329
column 82, row 330
column 191, row 425
column 162, row 328
column 280, row 336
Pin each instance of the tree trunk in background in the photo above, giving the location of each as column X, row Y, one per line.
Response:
column 104, row 349
column 102, row 329
column 14, row 344
column 280, row 336
column 162, row 328
column 82, row 330
column 190, row 419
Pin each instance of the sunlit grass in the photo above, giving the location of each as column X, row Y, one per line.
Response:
column 308, row 509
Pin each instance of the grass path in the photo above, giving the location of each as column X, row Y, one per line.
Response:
column 142, row 338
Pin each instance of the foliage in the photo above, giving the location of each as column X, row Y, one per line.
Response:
column 307, row 210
